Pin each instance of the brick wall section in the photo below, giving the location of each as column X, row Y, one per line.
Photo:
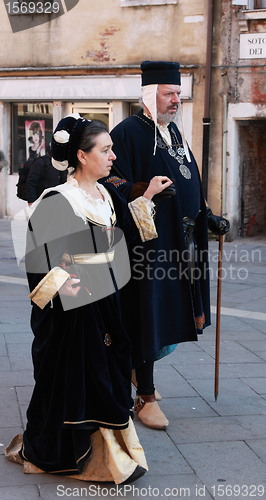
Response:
column 252, row 143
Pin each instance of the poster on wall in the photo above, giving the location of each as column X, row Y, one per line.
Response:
column 35, row 138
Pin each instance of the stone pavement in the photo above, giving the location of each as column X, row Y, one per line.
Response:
column 210, row 449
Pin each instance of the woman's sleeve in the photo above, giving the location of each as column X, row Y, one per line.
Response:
column 135, row 218
column 46, row 243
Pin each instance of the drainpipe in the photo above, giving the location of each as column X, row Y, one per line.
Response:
column 225, row 132
column 207, row 102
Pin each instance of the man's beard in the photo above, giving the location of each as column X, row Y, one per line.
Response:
column 165, row 118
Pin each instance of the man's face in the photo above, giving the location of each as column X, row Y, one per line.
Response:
column 168, row 98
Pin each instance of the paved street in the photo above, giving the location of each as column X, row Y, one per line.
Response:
column 210, row 449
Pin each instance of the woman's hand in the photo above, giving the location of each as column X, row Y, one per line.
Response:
column 68, row 289
column 157, row 185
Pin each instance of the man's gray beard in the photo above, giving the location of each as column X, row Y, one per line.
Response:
column 165, row 118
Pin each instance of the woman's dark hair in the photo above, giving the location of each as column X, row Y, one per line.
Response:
column 36, row 127
column 93, row 129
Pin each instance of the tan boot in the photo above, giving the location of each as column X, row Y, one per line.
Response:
column 158, row 396
column 149, row 412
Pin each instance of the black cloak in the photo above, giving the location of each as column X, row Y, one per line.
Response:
column 158, row 306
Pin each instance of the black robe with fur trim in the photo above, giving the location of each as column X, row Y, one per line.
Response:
column 157, row 304
column 82, row 383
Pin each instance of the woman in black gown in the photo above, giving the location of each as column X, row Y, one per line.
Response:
column 79, row 416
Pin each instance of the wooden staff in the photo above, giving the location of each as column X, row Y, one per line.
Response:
column 218, row 316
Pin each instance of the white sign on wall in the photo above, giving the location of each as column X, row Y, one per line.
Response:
column 252, row 46
column 80, row 88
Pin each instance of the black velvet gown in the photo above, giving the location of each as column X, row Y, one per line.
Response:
column 81, row 352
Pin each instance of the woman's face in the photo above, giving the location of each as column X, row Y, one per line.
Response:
column 36, row 137
column 100, row 159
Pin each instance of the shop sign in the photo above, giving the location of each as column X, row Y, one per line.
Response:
column 252, row 46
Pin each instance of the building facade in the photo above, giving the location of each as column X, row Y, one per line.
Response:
column 238, row 111
column 84, row 56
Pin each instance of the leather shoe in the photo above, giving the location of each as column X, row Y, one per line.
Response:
column 149, row 412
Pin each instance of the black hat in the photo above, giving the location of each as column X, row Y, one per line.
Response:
column 160, row 72
column 64, row 146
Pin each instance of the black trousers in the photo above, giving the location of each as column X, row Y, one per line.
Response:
column 144, row 376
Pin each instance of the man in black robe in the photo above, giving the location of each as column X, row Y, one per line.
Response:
column 167, row 301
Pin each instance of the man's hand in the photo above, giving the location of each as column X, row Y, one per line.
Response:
column 217, row 223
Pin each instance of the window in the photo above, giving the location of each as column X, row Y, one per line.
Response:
column 32, row 128
column 133, row 3
column 250, row 4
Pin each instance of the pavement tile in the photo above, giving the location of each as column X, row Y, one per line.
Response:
column 261, row 354
column 19, row 338
column 11, row 291
column 3, row 351
column 24, row 394
column 231, row 352
column 231, row 323
column 178, row 387
column 15, row 328
column 189, row 407
column 20, row 356
column 14, row 315
column 235, row 397
column 4, row 363
column 216, row 429
column 254, row 345
column 240, row 337
column 225, row 302
column 259, row 447
column 188, row 346
column 30, row 492
column 23, row 411
column 185, row 357
column 11, row 474
column 253, row 305
column 258, row 325
column 251, row 293
column 226, row 370
column 11, row 378
column 162, row 455
column 240, row 466
column 9, row 409
column 149, row 486
column 257, row 384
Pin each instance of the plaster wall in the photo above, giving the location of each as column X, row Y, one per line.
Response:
column 100, row 32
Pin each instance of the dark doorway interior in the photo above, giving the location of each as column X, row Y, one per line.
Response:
column 252, row 148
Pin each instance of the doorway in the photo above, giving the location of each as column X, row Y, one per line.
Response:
column 252, row 155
